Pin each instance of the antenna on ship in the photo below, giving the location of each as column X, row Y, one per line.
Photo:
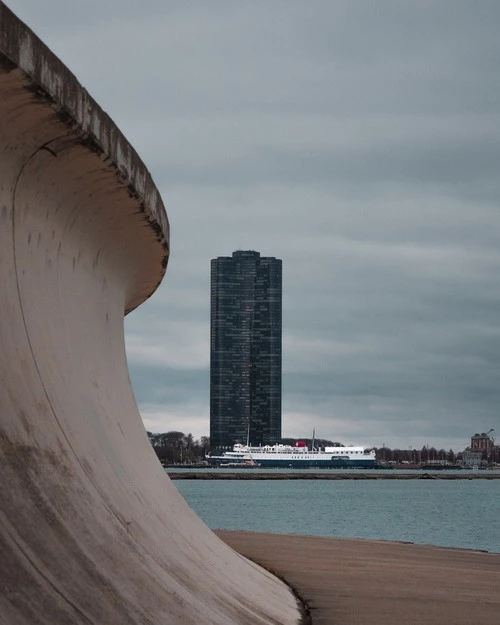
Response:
column 312, row 442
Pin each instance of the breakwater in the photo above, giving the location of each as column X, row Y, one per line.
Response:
column 257, row 475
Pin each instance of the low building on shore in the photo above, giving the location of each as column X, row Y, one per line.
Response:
column 482, row 451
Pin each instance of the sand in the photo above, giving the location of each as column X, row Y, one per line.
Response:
column 362, row 582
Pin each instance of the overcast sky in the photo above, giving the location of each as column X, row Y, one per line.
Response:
column 359, row 142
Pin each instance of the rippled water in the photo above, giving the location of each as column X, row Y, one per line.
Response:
column 458, row 513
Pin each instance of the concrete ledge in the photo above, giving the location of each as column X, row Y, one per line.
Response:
column 92, row 531
column 52, row 83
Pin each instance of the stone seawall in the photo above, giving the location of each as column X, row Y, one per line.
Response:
column 313, row 475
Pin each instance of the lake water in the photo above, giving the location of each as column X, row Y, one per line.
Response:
column 455, row 513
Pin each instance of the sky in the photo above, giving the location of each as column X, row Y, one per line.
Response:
column 359, row 142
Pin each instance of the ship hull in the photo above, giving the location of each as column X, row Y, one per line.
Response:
column 306, row 463
column 318, row 464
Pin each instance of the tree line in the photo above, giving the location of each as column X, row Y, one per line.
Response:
column 416, row 456
column 179, row 448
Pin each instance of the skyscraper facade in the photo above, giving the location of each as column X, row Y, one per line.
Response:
column 245, row 350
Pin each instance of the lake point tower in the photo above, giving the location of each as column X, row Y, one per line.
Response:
column 245, row 350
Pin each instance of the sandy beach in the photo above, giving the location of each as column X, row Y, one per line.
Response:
column 362, row 582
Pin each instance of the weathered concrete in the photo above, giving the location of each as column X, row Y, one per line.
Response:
column 365, row 582
column 91, row 528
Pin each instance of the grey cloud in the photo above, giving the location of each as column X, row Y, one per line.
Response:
column 168, row 385
column 357, row 141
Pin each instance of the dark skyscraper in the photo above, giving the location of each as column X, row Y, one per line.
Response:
column 245, row 350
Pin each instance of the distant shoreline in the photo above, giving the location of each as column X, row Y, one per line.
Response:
column 244, row 474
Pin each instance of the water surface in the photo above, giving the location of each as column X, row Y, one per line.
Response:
column 458, row 513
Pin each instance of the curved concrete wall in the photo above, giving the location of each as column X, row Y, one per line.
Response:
column 91, row 528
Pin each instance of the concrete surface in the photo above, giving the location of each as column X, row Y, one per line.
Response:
column 363, row 582
column 92, row 531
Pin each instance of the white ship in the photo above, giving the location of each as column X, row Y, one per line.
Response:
column 300, row 456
